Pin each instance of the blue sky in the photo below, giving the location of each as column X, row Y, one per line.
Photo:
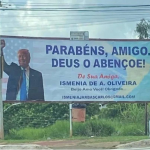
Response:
column 19, row 23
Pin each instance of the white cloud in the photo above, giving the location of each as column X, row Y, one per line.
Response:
column 51, row 24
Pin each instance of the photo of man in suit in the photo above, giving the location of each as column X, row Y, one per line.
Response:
column 24, row 83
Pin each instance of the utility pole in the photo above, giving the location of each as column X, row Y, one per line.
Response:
column 1, row 101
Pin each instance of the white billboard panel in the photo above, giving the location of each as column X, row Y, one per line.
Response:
column 65, row 70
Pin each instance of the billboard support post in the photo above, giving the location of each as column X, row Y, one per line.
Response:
column 1, row 101
column 70, row 110
column 149, row 128
column 1, row 112
column 146, row 120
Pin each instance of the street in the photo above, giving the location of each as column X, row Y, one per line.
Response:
column 142, row 148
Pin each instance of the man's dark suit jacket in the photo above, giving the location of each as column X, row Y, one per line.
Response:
column 35, row 92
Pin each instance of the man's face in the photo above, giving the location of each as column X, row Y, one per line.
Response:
column 23, row 59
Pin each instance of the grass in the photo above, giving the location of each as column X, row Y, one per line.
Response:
column 93, row 128
column 58, row 130
column 16, row 141
column 121, row 139
column 61, row 130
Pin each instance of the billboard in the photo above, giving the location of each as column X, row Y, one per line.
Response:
column 48, row 69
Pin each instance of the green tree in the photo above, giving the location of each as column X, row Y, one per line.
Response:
column 34, row 115
column 39, row 115
column 142, row 29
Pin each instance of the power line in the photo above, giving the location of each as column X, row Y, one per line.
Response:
column 55, row 17
column 68, row 25
column 84, row 7
column 71, row 19
column 66, row 15
column 74, row 10
column 66, row 4
column 142, row 10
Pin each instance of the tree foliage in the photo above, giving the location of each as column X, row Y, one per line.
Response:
column 34, row 115
column 143, row 28
column 39, row 115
